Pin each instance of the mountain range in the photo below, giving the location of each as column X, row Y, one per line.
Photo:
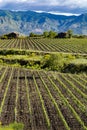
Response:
column 25, row 22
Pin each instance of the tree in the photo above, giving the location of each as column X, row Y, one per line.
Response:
column 45, row 34
column 52, row 34
column 31, row 34
column 69, row 33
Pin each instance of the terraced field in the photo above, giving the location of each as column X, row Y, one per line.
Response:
column 43, row 100
column 47, row 45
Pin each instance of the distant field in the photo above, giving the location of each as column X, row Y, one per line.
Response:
column 43, row 100
column 47, row 45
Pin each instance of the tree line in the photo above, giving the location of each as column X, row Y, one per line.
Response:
column 45, row 34
column 52, row 34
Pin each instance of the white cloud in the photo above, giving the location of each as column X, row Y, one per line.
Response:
column 70, row 3
column 75, row 3
column 4, row 2
column 67, row 3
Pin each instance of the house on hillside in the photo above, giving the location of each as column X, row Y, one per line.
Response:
column 12, row 35
column 62, row 35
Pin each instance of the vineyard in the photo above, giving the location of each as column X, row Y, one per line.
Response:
column 47, row 45
column 38, row 97
column 43, row 100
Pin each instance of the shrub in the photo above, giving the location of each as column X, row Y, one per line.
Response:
column 53, row 62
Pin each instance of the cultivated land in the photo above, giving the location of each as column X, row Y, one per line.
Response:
column 47, row 45
column 43, row 100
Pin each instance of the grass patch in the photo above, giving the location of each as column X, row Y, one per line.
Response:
column 80, row 61
column 13, row 126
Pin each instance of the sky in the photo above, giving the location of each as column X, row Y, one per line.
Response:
column 53, row 6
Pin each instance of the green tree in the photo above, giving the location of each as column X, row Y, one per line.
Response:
column 69, row 33
column 45, row 34
column 52, row 34
column 31, row 34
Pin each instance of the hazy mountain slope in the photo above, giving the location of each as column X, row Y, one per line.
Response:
column 29, row 21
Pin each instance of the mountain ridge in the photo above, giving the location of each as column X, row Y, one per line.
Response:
column 29, row 21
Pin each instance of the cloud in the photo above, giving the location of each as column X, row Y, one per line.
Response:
column 75, row 3
column 71, row 3
column 51, row 5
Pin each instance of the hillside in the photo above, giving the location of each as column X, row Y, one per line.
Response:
column 28, row 21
